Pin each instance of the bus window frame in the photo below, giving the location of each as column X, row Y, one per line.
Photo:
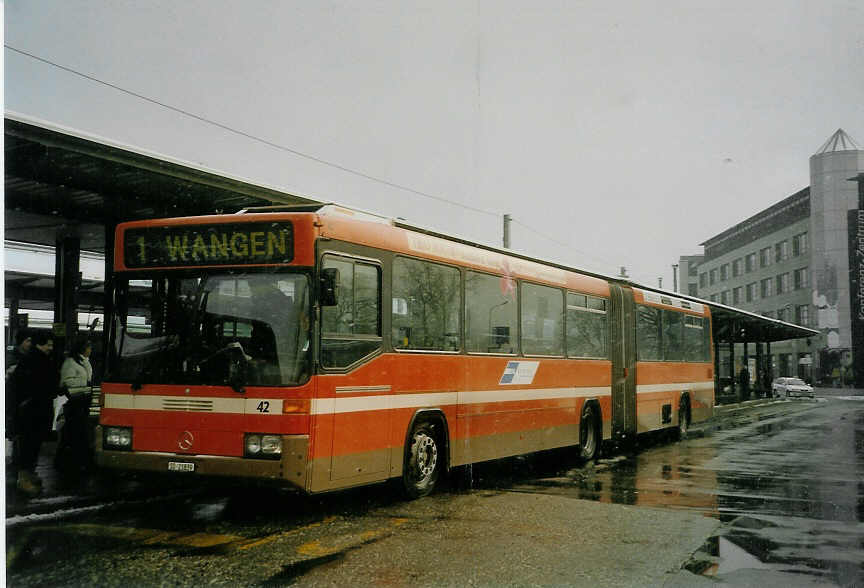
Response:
column 685, row 312
column 461, row 330
column 517, row 301
column 606, row 312
column 319, row 329
column 563, row 292
column 125, row 277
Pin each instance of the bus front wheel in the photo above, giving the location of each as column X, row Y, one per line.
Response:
column 423, row 463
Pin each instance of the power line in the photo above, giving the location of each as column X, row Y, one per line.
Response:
column 294, row 151
column 250, row 136
column 570, row 247
column 561, row 243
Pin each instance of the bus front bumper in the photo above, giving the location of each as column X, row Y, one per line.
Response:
column 292, row 467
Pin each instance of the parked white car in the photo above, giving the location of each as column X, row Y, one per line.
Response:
column 789, row 387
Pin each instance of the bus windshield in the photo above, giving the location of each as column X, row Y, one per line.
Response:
column 236, row 329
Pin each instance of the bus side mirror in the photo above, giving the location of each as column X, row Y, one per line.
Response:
column 329, row 285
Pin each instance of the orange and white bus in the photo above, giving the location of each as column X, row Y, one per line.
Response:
column 329, row 348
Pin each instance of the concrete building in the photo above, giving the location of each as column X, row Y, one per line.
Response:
column 688, row 268
column 792, row 262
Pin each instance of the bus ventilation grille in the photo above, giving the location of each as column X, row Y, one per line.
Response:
column 187, row 404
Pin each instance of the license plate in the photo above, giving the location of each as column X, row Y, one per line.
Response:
column 180, row 466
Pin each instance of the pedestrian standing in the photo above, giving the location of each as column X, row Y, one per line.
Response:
column 23, row 343
column 744, row 382
column 34, row 386
column 73, row 436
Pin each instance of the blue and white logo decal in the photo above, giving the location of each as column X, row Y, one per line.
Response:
column 519, row 372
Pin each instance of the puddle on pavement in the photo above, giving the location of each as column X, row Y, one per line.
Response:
column 785, row 507
column 740, row 555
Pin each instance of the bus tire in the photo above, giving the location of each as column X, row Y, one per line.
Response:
column 589, row 432
column 423, row 460
column 684, row 416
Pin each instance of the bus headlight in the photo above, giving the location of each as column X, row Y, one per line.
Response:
column 263, row 446
column 117, row 438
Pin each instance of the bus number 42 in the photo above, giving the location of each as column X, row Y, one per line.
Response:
column 263, row 406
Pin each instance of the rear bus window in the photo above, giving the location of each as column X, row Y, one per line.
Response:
column 693, row 338
column 673, row 336
column 648, row 333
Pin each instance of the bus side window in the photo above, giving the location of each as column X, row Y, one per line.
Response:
column 351, row 329
column 427, row 306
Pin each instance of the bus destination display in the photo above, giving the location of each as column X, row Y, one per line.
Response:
column 219, row 244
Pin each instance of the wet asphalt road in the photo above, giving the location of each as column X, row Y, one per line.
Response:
column 786, row 480
column 766, row 496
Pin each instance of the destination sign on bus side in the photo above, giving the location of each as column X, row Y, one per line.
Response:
column 221, row 244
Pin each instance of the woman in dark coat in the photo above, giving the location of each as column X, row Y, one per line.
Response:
column 34, row 383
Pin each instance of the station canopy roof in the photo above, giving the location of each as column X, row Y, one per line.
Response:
column 62, row 182
column 740, row 326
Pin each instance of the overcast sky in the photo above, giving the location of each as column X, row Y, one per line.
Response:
column 616, row 133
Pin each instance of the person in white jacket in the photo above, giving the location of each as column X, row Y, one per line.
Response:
column 73, row 442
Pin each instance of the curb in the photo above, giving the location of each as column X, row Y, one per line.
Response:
column 722, row 409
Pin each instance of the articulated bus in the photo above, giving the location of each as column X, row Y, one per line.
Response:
column 328, row 348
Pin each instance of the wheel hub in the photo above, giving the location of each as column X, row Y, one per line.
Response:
column 426, row 454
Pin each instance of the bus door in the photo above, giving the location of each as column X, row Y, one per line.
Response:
column 622, row 345
column 359, row 388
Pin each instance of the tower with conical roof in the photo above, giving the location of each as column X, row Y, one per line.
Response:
column 833, row 213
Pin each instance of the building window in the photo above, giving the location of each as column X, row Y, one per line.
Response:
column 800, row 278
column 781, row 251
column 713, row 298
column 751, row 291
column 783, row 283
column 737, row 267
column 736, row 295
column 692, row 289
column 724, row 272
column 750, row 262
column 799, row 244
column 692, row 269
column 802, row 315
column 712, row 276
column 703, row 280
column 765, row 257
column 766, row 289
column 724, row 297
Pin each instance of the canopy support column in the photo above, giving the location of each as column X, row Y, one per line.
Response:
column 67, row 280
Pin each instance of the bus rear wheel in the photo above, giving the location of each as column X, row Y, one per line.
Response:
column 423, row 463
column 589, row 433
